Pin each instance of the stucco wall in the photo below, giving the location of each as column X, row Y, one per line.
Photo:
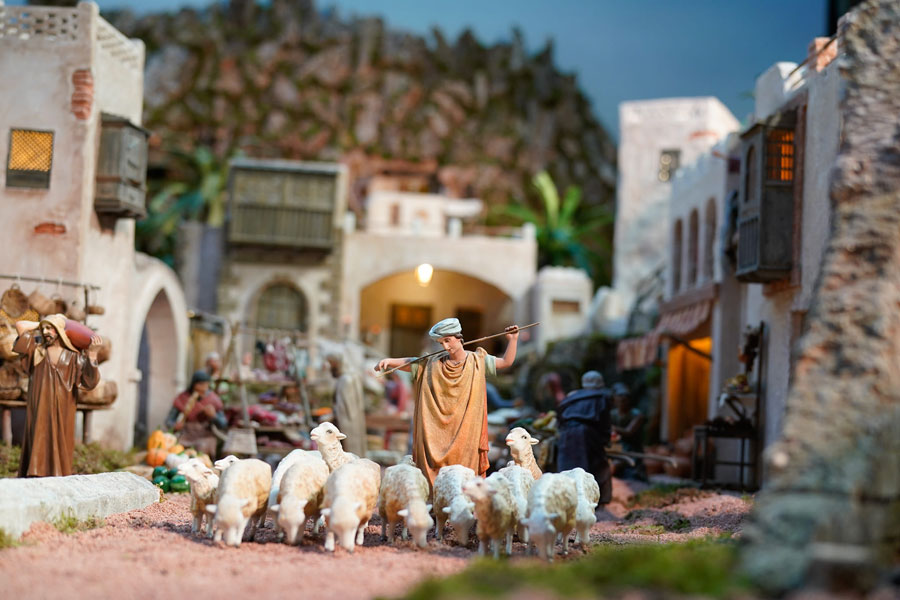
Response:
column 690, row 125
column 561, row 299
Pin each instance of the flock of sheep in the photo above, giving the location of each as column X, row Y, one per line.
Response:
column 342, row 491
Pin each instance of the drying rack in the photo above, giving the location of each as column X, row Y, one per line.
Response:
column 59, row 281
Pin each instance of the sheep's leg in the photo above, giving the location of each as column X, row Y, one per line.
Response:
column 509, row 543
column 320, row 523
column 495, row 545
column 209, row 527
column 329, row 540
column 198, row 520
column 438, row 527
column 566, row 542
column 360, row 534
column 392, row 529
column 481, row 547
column 384, row 528
column 404, row 534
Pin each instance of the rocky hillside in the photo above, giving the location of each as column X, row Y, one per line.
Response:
column 288, row 80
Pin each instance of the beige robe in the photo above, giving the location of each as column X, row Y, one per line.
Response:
column 350, row 413
column 49, row 441
column 450, row 417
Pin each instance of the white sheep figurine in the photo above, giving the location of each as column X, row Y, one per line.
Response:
column 328, row 441
column 404, row 496
column 496, row 511
column 283, row 465
column 451, row 505
column 351, row 492
column 520, row 443
column 204, row 482
column 588, row 498
column 551, row 511
column 521, row 480
column 300, row 494
column 242, row 497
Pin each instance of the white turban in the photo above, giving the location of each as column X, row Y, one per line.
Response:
column 444, row 328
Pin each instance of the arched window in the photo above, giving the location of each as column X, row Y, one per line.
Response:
column 281, row 306
column 709, row 245
column 693, row 249
column 676, row 257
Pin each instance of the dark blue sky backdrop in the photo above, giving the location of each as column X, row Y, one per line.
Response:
column 625, row 50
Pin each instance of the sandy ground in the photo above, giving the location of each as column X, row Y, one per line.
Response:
column 151, row 553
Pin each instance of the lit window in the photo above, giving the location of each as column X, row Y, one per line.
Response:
column 30, row 158
column 668, row 164
column 780, row 155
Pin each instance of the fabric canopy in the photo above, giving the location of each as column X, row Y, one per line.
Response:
column 636, row 353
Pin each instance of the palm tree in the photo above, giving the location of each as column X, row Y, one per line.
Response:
column 200, row 196
column 568, row 232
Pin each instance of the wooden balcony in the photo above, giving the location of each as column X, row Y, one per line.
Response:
column 285, row 226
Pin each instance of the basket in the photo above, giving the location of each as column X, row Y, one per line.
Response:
column 75, row 313
column 103, row 395
column 240, row 441
column 14, row 302
column 41, row 303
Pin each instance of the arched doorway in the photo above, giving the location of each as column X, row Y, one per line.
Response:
column 158, row 363
column 282, row 306
column 396, row 312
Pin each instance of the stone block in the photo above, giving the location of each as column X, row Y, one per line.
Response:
column 24, row 501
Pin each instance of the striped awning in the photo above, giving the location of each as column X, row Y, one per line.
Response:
column 636, row 353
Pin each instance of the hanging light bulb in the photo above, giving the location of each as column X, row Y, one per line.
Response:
column 424, row 273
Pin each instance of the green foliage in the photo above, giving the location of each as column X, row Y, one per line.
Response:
column 569, row 233
column 703, row 567
column 94, row 458
column 195, row 193
column 10, row 457
column 68, row 523
column 7, row 540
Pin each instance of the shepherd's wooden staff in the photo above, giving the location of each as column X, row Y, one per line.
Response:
column 435, row 353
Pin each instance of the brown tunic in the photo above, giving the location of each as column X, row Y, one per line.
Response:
column 450, row 418
column 49, row 440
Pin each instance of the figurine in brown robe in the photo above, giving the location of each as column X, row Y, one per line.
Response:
column 450, row 416
column 56, row 369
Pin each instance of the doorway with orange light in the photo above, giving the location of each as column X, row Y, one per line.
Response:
column 688, row 373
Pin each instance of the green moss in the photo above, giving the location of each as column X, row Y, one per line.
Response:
column 10, row 456
column 93, row 458
column 704, row 567
column 7, row 540
column 664, row 495
column 68, row 523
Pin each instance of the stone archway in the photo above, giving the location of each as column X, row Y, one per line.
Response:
column 158, row 365
column 481, row 307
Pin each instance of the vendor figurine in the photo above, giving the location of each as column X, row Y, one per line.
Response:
column 450, row 414
column 193, row 413
column 56, row 369
column 349, row 407
column 584, row 432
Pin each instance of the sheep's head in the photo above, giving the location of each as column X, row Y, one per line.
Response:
column 224, row 463
column 291, row 517
column 326, row 435
column 418, row 523
column 229, row 519
column 520, row 440
column 461, row 513
column 477, row 489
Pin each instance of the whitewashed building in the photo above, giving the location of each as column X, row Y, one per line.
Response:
column 71, row 187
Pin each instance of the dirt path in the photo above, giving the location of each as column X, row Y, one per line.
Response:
column 151, row 553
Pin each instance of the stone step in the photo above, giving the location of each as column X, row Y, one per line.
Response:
column 24, row 501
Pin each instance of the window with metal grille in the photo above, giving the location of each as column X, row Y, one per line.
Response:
column 30, row 158
column 281, row 306
column 780, row 155
column 676, row 257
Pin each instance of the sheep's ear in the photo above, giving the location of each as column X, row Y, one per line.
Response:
column 403, row 513
column 428, row 507
column 533, row 441
column 211, row 509
column 245, row 502
column 341, row 436
column 357, row 505
column 275, row 508
column 551, row 528
column 552, row 516
column 523, row 522
column 446, row 510
column 325, row 512
column 594, row 505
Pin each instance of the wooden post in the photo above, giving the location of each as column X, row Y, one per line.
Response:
column 7, row 426
column 86, row 437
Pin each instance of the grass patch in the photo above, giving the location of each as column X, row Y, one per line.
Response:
column 665, row 495
column 68, row 523
column 663, row 521
column 10, row 457
column 93, row 458
column 7, row 540
column 700, row 567
column 643, row 529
